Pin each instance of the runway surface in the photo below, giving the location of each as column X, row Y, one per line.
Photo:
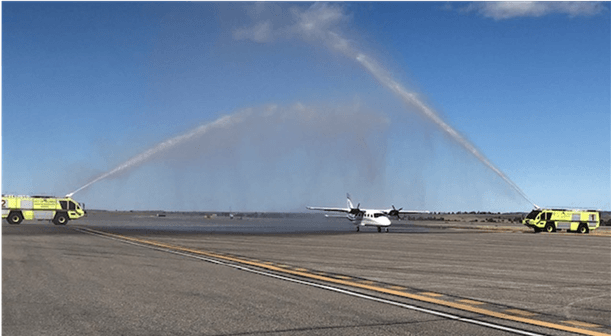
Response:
column 136, row 274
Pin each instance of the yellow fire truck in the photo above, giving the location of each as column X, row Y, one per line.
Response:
column 59, row 210
column 550, row 220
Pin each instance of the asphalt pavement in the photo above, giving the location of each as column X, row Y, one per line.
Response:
column 69, row 281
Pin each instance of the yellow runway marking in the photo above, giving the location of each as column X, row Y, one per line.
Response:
column 520, row 312
column 301, row 269
column 366, row 282
column 423, row 298
column 471, row 302
column 431, row 294
column 582, row 324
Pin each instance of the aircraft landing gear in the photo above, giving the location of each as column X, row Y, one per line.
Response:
column 386, row 230
column 357, row 229
column 379, row 229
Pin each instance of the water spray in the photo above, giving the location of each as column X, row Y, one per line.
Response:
column 315, row 24
column 411, row 99
column 254, row 126
column 222, row 122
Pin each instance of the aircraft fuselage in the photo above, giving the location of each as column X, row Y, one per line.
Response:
column 369, row 218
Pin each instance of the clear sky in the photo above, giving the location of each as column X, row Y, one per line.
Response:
column 89, row 86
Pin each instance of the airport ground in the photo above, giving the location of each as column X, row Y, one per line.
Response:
column 188, row 274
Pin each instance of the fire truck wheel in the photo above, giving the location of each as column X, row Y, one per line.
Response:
column 14, row 218
column 583, row 229
column 60, row 219
column 549, row 227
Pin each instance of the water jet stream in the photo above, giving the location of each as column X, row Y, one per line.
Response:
column 316, row 24
column 273, row 134
column 222, row 122
column 411, row 99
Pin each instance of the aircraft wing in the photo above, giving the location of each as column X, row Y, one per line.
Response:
column 329, row 209
column 411, row 212
column 335, row 216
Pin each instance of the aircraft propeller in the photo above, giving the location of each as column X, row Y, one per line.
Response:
column 356, row 211
column 395, row 212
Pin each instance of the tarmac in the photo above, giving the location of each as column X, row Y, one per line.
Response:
column 186, row 274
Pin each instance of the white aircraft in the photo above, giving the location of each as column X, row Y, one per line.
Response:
column 368, row 217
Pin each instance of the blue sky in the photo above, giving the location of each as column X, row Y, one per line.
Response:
column 88, row 86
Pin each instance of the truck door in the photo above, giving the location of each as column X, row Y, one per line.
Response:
column 72, row 210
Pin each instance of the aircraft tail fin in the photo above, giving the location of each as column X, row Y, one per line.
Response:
column 350, row 206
